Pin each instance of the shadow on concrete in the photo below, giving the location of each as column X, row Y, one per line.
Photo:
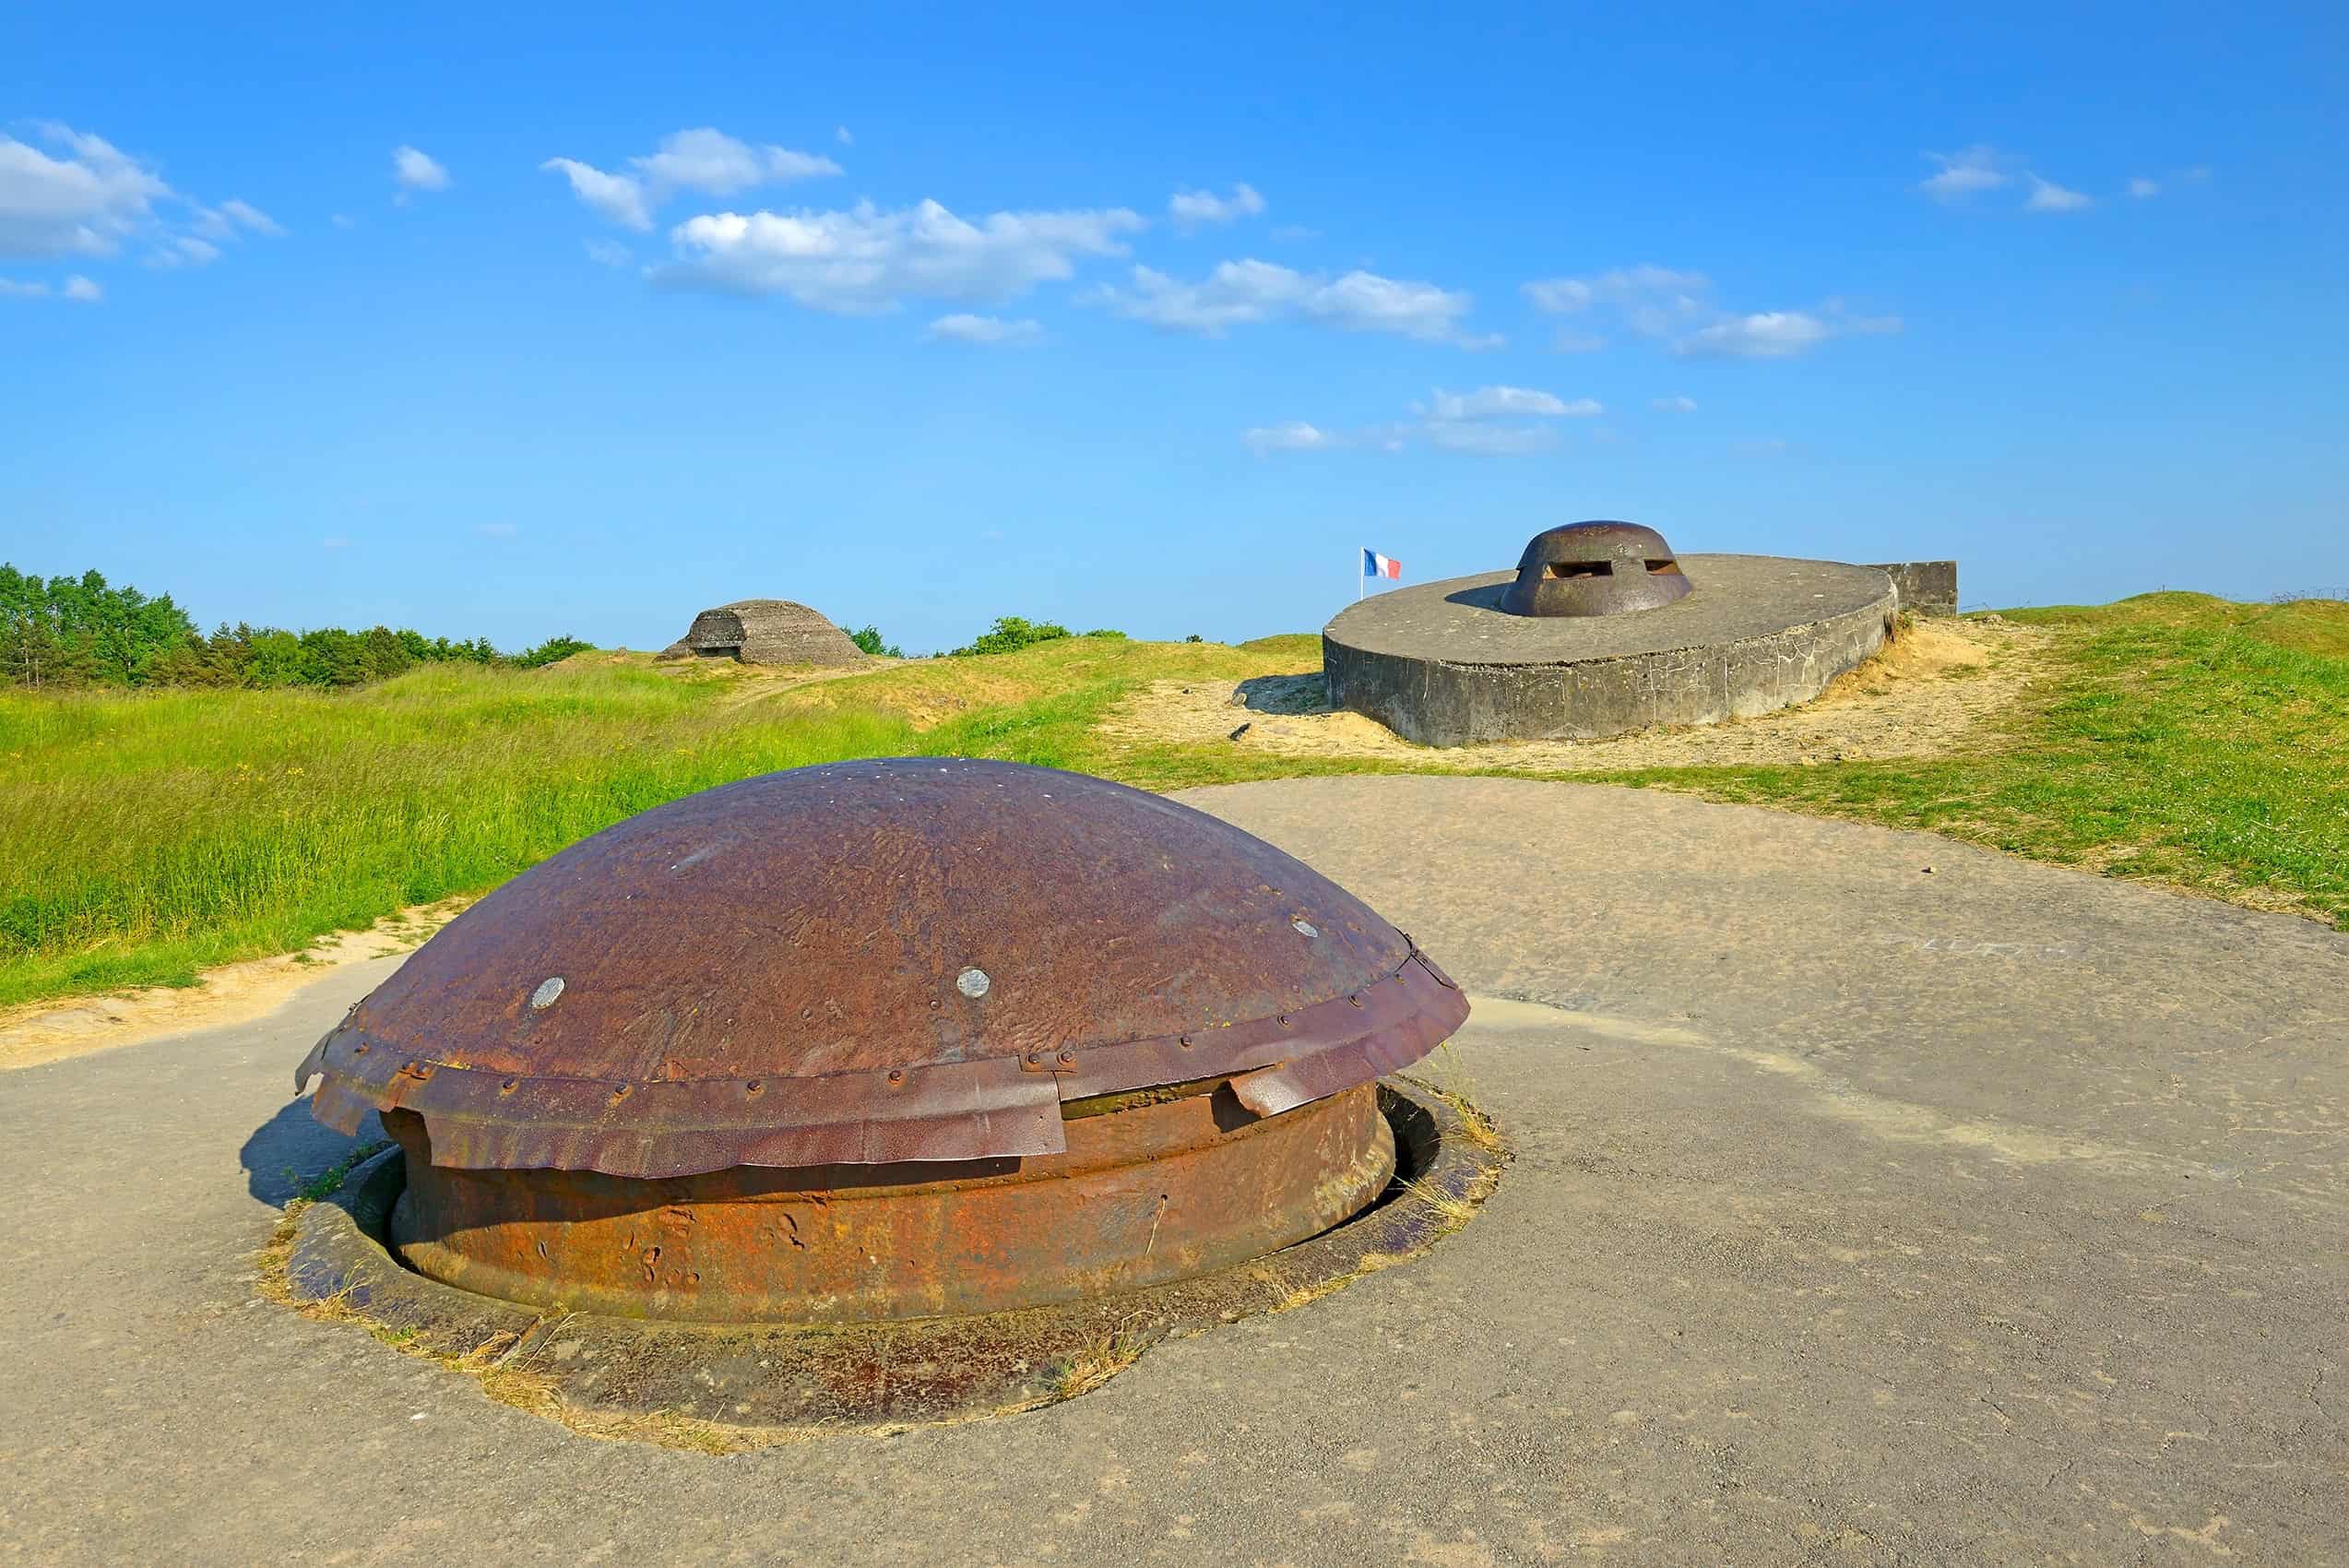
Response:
column 1485, row 597
column 1283, row 694
column 291, row 1147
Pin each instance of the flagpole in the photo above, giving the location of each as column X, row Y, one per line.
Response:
column 1358, row 576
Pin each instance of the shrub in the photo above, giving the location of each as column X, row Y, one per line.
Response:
column 1010, row 634
column 868, row 637
column 551, row 651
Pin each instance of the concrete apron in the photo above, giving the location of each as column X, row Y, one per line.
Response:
column 1860, row 1213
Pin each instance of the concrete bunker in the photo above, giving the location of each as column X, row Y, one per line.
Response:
column 766, row 631
column 1605, row 628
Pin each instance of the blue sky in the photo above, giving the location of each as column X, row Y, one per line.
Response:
column 579, row 320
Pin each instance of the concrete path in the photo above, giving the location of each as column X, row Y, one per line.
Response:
column 1859, row 1215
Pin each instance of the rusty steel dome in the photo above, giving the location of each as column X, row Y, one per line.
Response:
column 886, row 1039
column 1596, row 569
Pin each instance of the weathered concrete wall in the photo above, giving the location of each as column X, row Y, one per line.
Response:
column 1929, row 587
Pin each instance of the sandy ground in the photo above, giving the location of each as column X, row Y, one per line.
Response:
column 234, row 994
column 1922, row 697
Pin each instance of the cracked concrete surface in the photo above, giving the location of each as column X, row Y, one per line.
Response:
column 1858, row 1215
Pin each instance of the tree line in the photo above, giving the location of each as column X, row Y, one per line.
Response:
column 85, row 631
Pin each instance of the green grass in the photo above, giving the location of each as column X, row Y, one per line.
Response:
column 326, row 1184
column 2185, row 740
column 150, row 836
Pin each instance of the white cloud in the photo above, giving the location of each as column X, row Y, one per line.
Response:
column 868, row 259
column 1294, row 436
column 76, row 288
column 986, row 331
column 2049, row 196
column 1489, row 440
column 1655, row 302
column 1487, row 401
column 1464, row 422
column 1236, row 294
column 714, row 163
column 1765, row 334
column 2142, row 188
column 1560, row 296
column 342, row 220
column 706, row 159
column 1963, row 174
column 231, row 217
column 1295, row 234
column 248, row 216
column 1244, row 292
column 1489, row 421
column 86, row 201
column 1983, row 168
column 416, row 172
column 1625, row 287
column 1677, row 307
column 86, row 198
column 840, row 134
column 620, row 198
column 497, row 531
column 1190, row 208
column 184, row 250
column 335, row 542
column 608, row 253
column 1682, row 405
column 1364, row 301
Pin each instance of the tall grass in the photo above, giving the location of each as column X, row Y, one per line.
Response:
column 145, row 837
column 148, row 836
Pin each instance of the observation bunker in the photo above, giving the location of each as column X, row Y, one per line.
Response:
column 1603, row 628
column 885, row 1040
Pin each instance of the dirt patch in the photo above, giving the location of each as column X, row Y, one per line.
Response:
column 234, row 994
column 1923, row 695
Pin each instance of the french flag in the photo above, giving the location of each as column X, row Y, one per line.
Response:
column 1377, row 565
